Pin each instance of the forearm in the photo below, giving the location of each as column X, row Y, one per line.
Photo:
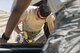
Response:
column 17, row 29
column 20, row 7
column 51, row 26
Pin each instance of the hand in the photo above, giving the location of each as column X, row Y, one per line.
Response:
column 20, row 38
column 3, row 40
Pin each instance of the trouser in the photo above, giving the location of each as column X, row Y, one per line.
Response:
column 66, row 39
column 37, row 37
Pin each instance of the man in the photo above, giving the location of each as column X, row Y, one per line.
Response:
column 19, row 8
column 66, row 38
column 33, row 20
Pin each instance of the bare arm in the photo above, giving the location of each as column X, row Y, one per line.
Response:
column 51, row 24
column 24, row 15
column 20, row 7
column 17, row 29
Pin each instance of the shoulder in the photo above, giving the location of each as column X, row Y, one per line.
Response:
column 31, row 8
column 51, row 16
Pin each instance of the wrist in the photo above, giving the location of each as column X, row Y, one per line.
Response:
column 5, row 37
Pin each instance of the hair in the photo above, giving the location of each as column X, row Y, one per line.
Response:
column 44, row 10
